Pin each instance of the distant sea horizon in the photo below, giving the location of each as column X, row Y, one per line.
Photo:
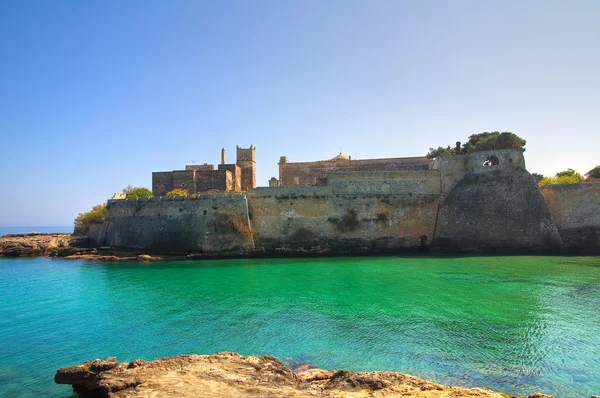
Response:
column 25, row 230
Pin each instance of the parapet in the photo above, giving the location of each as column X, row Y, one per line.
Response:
column 200, row 167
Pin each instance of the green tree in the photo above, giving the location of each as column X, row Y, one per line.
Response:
column 133, row 192
column 178, row 192
column 486, row 141
column 440, row 151
column 83, row 220
column 568, row 176
column 593, row 174
column 493, row 141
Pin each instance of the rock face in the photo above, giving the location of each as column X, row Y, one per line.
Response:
column 35, row 244
column 576, row 212
column 231, row 375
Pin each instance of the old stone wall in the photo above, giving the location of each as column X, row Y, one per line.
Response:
column 236, row 175
column 377, row 211
column 313, row 173
column 185, row 179
column 246, row 160
column 496, row 211
column 162, row 182
column 575, row 209
column 209, row 223
column 200, row 167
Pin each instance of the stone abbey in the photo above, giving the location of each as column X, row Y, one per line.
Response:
column 234, row 177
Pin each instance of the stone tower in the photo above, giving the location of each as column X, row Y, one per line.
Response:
column 246, row 160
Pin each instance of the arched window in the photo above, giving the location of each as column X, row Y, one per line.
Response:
column 491, row 160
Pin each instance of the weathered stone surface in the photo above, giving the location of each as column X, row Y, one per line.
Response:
column 209, row 223
column 35, row 244
column 575, row 209
column 496, row 211
column 232, row 375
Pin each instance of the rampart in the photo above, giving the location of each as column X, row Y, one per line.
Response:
column 575, row 209
column 364, row 211
column 209, row 223
column 485, row 201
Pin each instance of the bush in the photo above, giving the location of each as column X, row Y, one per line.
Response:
column 83, row 220
column 138, row 193
column 568, row 176
column 178, row 192
column 485, row 141
column 593, row 174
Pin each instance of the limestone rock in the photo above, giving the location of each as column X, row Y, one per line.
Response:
column 230, row 374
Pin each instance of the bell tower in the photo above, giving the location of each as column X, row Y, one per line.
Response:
column 246, row 160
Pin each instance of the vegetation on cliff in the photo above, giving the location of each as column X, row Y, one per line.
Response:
column 485, row 141
column 178, row 192
column 593, row 174
column 83, row 220
column 568, row 176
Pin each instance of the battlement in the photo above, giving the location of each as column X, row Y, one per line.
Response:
column 246, row 154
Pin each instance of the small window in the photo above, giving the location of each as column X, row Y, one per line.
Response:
column 491, row 161
column 204, row 212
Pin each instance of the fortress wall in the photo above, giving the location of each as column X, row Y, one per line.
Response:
column 236, row 175
column 386, row 182
column 496, row 210
column 349, row 217
column 575, row 209
column 162, row 182
column 309, row 173
column 452, row 169
column 177, row 224
column 184, row 179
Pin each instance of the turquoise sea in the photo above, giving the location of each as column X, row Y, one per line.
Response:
column 514, row 324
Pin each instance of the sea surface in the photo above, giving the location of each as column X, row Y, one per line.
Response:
column 514, row 324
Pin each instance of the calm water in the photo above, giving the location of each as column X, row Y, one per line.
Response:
column 514, row 324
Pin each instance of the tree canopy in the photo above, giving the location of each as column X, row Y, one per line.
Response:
column 134, row 192
column 82, row 221
column 593, row 174
column 485, row 141
column 568, row 176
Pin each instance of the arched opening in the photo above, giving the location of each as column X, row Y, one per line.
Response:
column 491, row 160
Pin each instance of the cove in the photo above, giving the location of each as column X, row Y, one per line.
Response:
column 515, row 324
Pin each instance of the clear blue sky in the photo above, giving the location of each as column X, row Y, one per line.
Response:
column 95, row 95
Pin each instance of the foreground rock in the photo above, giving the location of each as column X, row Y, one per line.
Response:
column 65, row 245
column 231, row 375
column 35, row 244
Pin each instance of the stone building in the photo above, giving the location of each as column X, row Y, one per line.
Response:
column 316, row 173
column 237, row 177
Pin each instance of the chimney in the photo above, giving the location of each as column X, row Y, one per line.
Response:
column 223, row 156
column 457, row 150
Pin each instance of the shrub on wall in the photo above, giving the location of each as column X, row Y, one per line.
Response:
column 485, row 141
column 178, row 192
column 568, row 176
column 593, row 174
column 138, row 193
column 83, row 220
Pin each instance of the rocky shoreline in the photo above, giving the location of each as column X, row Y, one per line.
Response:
column 231, row 375
column 67, row 246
